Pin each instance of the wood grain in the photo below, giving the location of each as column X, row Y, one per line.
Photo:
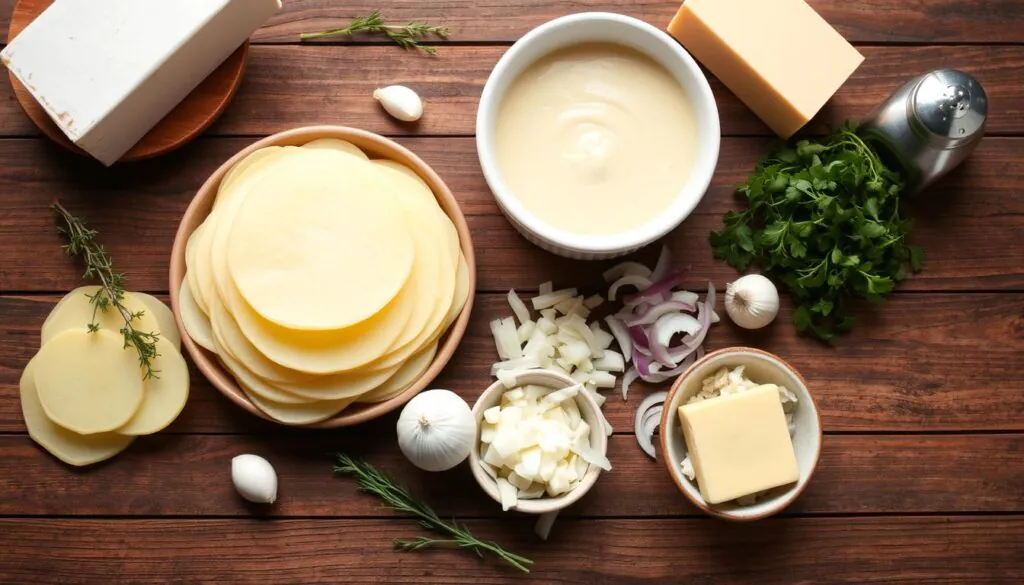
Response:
column 865, row 21
column 289, row 86
column 924, row 362
column 870, row 20
column 137, row 208
column 906, row 551
column 192, row 474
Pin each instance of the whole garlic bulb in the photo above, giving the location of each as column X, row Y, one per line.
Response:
column 400, row 101
column 752, row 301
column 254, row 478
column 436, row 430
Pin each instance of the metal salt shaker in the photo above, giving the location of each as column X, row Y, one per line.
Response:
column 930, row 125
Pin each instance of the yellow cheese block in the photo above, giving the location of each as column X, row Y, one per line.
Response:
column 196, row 323
column 298, row 414
column 75, row 311
column 781, row 58
column 739, row 444
column 338, row 145
column 164, row 396
column 88, row 382
column 168, row 329
column 70, row 447
column 406, row 376
column 317, row 245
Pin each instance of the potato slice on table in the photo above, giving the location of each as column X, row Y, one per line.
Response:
column 167, row 329
column 76, row 311
column 163, row 396
column 71, row 448
column 88, row 382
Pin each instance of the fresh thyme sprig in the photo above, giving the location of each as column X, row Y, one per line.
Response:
column 99, row 266
column 406, row 35
column 397, row 497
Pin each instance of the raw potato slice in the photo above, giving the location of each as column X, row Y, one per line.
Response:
column 338, row 386
column 76, row 312
column 238, row 171
column 461, row 292
column 82, row 290
column 197, row 325
column 164, row 316
column 324, row 352
column 69, row 447
column 253, row 383
column 87, row 381
column 163, row 397
column 318, row 245
column 191, row 247
column 336, row 144
column 405, row 377
column 406, row 179
column 299, row 414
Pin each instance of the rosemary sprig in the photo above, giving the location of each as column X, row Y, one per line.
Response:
column 406, row 35
column 99, row 266
column 397, row 497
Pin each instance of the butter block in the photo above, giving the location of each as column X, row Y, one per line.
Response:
column 739, row 444
column 107, row 72
column 781, row 58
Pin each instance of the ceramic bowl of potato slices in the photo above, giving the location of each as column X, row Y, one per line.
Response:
column 322, row 277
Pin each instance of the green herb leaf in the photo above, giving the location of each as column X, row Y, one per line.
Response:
column 822, row 220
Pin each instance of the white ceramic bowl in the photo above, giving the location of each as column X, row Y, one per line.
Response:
column 611, row 28
column 589, row 411
column 762, row 367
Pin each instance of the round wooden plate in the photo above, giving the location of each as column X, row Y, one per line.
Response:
column 186, row 121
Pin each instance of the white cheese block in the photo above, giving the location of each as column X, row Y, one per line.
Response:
column 107, row 72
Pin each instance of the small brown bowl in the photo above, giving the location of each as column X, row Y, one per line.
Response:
column 762, row 367
column 376, row 147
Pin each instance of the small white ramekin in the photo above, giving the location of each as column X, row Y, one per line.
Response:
column 588, row 27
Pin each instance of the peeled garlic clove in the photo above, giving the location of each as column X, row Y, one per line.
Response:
column 400, row 101
column 254, row 478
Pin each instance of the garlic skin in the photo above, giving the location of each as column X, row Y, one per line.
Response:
column 254, row 478
column 400, row 101
column 436, row 430
column 752, row 302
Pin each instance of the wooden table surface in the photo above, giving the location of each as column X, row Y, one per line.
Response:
column 921, row 478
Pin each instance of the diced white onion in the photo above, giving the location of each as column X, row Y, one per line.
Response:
column 593, row 302
column 518, row 308
column 525, row 330
column 521, row 363
column 551, row 299
column 611, row 361
column 544, row 523
column 545, row 288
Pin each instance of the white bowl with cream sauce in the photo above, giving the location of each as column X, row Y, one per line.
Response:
column 598, row 134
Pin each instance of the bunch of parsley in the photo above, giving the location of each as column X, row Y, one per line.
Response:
column 823, row 221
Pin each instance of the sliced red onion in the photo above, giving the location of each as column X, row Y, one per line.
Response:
column 634, row 280
column 684, row 296
column 704, row 318
column 657, row 377
column 621, row 335
column 661, row 267
column 700, row 352
column 639, row 338
column 643, row 365
column 643, row 438
column 656, row 292
column 653, row 413
column 628, row 378
column 652, row 314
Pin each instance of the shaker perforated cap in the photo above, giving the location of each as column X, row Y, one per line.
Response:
column 951, row 104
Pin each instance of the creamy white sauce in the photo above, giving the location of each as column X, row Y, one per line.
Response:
column 596, row 139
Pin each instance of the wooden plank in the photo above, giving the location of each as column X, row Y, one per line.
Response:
column 946, row 21
column 907, row 551
column 924, row 362
column 935, row 474
column 968, row 223
column 288, row 86
column 870, row 20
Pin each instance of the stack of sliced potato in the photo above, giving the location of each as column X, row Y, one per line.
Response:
column 83, row 394
column 322, row 278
